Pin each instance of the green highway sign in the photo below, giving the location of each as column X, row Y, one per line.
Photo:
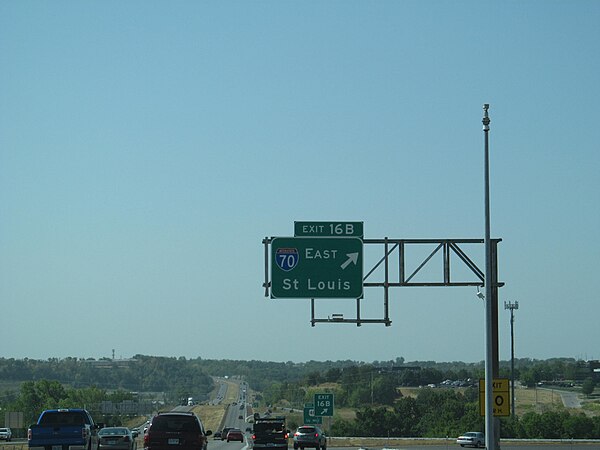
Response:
column 328, row 229
column 310, row 418
column 304, row 267
column 324, row 405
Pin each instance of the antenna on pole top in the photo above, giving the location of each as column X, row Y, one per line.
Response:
column 486, row 118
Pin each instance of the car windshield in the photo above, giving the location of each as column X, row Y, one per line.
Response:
column 306, row 430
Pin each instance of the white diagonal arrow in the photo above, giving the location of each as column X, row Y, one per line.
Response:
column 352, row 258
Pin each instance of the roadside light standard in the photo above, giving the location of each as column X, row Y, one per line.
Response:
column 489, row 416
column 512, row 306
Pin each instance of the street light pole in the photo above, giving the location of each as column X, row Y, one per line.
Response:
column 512, row 306
column 490, row 440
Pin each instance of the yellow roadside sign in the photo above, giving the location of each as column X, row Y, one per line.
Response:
column 501, row 395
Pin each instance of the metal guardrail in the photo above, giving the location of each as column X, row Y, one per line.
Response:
column 385, row 442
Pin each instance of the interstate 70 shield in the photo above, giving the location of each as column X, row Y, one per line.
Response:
column 286, row 258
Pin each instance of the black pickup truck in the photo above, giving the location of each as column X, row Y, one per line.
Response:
column 270, row 433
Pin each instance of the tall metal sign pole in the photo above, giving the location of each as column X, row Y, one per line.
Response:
column 490, row 440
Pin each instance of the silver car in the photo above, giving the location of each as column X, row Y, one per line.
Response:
column 116, row 438
column 471, row 439
column 6, row 434
column 310, row 436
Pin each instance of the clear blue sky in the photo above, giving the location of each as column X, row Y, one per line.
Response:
column 147, row 147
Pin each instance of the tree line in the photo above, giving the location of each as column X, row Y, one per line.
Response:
column 36, row 396
column 370, row 388
column 150, row 373
column 382, row 411
column 358, row 385
column 139, row 374
column 449, row 413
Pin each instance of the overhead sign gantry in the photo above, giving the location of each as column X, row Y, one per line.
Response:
column 326, row 260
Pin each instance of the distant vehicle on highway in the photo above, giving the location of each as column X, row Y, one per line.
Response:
column 6, row 434
column 310, row 436
column 116, row 438
column 217, row 435
column 471, row 439
column 180, row 430
column 270, row 433
column 224, row 433
column 235, row 435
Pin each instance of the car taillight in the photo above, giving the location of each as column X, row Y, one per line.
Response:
column 146, row 438
column 253, row 436
column 29, row 434
column 126, row 438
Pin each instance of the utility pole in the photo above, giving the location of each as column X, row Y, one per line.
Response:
column 512, row 306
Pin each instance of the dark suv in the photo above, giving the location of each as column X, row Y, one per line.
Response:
column 176, row 431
